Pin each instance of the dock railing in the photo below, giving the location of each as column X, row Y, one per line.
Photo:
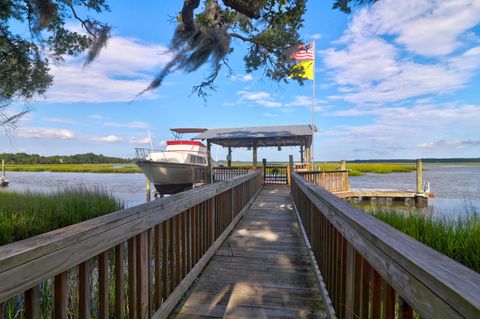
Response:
column 371, row 270
column 223, row 173
column 332, row 181
column 135, row 262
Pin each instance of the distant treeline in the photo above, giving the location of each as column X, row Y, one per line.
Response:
column 88, row 158
column 424, row 160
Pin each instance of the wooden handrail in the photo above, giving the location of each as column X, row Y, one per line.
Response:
column 195, row 221
column 331, row 180
column 357, row 252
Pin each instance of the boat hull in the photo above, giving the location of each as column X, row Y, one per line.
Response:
column 169, row 178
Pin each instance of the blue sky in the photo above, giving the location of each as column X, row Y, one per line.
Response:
column 399, row 79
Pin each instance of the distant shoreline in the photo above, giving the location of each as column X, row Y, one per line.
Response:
column 356, row 168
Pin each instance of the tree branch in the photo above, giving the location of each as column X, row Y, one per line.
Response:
column 249, row 8
column 187, row 13
column 84, row 23
column 251, row 40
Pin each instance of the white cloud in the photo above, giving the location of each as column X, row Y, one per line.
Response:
column 242, row 78
column 140, row 140
column 449, row 144
column 270, row 114
column 253, row 96
column 134, row 124
column 96, row 116
column 393, row 50
column 122, row 70
column 315, row 36
column 268, row 103
column 44, row 133
column 106, row 139
column 422, row 130
column 59, row 120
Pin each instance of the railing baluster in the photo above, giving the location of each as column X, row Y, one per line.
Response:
column 404, row 310
column 171, row 256
column 132, row 280
column 103, row 285
column 32, row 304
column 142, row 274
column 189, row 239
column 389, row 304
column 119, row 283
column 84, row 289
column 61, row 296
column 376, row 296
column 349, row 281
column 365, row 303
column 164, row 260
column 184, row 244
column 158, row 268
column 150, row 275
column 357, row 292
column 178, row 246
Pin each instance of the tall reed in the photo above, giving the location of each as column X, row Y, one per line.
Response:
column 27, row 215
column 457, row 237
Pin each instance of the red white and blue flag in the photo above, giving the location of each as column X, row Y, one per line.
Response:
column 304, row 52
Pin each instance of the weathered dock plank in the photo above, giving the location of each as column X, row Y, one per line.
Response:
column 261, row 271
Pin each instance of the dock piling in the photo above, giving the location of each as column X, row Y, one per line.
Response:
column 147, row 190
column 419, row 177
column 343, row 165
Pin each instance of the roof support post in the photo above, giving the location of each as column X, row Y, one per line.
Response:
column 302, row 160
column 229, row 156
column 254, row 151
column 209, row 160
column 307, row 151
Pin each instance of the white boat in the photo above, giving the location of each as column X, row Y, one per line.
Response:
column 176, row 168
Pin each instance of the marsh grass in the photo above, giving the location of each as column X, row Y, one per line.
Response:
column 75, row 168
column 24, row 215
column 357, row 169
column 457, row 237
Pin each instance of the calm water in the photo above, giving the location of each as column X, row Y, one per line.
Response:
column 127, row 187
column 455, row 186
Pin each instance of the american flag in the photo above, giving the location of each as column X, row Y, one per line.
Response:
column 304, row 52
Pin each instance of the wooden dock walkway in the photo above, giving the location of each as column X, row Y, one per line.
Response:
column 262, row 270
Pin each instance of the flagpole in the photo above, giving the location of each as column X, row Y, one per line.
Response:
column 313, row 108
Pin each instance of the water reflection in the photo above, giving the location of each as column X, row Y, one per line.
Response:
column 456, row 188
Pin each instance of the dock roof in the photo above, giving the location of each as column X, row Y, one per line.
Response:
column 262, row 136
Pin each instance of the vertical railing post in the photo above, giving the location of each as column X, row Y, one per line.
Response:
column 419, row 177
column 350, row 282
column 142, row 274
column 32, row 303
column 61, row 296
column 264, row 169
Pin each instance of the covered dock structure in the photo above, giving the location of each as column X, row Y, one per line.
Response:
column 260, row 136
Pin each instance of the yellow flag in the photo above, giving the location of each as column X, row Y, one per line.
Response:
column 307, row 69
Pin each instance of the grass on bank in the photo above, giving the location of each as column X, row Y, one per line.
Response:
column 26, row 215
column 356, row 169
column 75, row 168
column 458, row 238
